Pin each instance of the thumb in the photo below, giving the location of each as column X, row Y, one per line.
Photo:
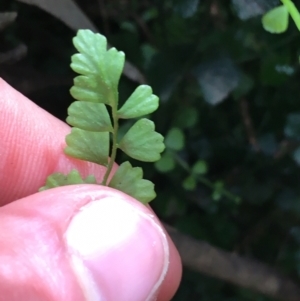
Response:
column 81, row 243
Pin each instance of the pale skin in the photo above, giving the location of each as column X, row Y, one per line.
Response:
column 75, row 243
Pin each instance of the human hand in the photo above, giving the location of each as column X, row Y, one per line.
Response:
column 73, row 243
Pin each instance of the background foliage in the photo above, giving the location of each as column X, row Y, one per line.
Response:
column 230, row 110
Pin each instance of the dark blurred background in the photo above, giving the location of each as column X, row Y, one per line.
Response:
column 229, row 108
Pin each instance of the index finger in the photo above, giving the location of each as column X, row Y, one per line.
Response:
column 31, row 147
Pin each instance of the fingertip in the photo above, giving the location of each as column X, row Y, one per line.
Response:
column 116, row 240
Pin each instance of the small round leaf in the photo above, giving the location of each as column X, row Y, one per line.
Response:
column 175, row 139
column 166, row 163
column 218, row 191
column 189, row 183
column 276, row 20
column 216, row 196
column 200, row 168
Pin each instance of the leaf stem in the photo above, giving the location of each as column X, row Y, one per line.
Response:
column 206, row 182
column 114, row 142
column 293, row 11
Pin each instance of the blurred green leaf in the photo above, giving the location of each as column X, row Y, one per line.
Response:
column 276, row 20
column 166, row 163
column 150, row 14
column 218, row 191
column 129, row 26
column 216, row 195
column 189, row 183
column 200, row 167
column 187, row 117
column 175, row 139
column 219, row 185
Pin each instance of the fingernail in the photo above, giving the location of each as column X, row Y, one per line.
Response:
column 117, row 250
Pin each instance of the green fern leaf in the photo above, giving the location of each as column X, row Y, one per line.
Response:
column 101, row 69
column 93, row 137
column 141, row 142
column 89, row 116
column 72, row 178
column 88, row 146
column 140, row 103
column 130, row 180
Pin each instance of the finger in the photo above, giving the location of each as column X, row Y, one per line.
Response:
column 31, row 147
column 83, row 243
